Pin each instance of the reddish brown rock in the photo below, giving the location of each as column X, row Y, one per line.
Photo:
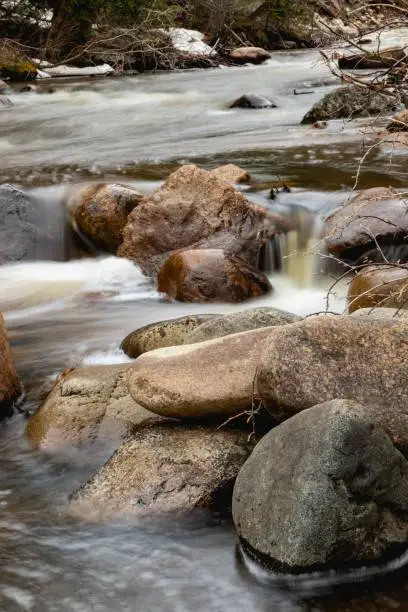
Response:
column 208, row 275
column 194, row 209
column 373, row 214
column 10, row 386
column 379, row 286
column 100, row 213
column 249, row 55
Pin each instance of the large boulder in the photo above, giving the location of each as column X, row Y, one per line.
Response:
column 249, row 55
column 379, row 286
column 194, row 209
column 324, row 490
column 164, row 333
column 28, row 230
column 349, row 103
column 252, row 101
column 237, row 322
column 376, row 216
column 209, row 275
column 208, row 379
column 100, row 213
column 85, row 405
column 10, row 386
column 165, row 468
column 330, row 357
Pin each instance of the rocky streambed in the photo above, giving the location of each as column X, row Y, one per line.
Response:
column 149, row 395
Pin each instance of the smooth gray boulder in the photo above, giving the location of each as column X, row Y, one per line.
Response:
column 326, row 489
column 172, row 332
column 242, row 321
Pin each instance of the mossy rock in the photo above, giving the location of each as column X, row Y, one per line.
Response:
column 16, row 67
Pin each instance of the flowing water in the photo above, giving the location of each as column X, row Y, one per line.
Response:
column 63, row 313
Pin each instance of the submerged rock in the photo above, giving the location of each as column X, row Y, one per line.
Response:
column 330, row 357
column 87, row 404
column 237, row 322
column 324, row 490
column 162, row 334
column 194, row 209
column 101, row 211
column 209, row 275
column 165, row 468
column 208, row 379
column 379, row 285
column 230, row 173
column 249, row 55
column 350, row 102
column 252, row 101
column 10, row 386
column 377, row 214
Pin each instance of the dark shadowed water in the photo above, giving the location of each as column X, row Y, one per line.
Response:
column 63, row 314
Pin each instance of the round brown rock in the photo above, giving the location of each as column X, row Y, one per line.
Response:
column 230, row 173
column 196, row 381
column 86, row 404
column 162, row 334
column 162, row 469
column 209, row 275
column 249, row 55
column 377, row 214
column 379, row 286
column 338, row 357
column 100, row 213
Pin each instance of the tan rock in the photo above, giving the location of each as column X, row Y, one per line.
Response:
column 165, row 468
column 249, row 55
column 193, row 209
column 164, row 333
column 100, row 213
column 209, row 275
column 379, row 286
column 230, row 173
column 86, row 404
column 10, row 386
column 338, row 357
column 381, row 313
column 208, row 379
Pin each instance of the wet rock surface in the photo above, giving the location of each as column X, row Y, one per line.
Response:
column 350, row 103
column 162, row 334
column 237, row 322
column 10, row 386
column 87, row 404
column 326, row 489
column 379, row 213
column 249, row 55
column 194, row 209
column 330, row 357
column 209, row 379
column 165, row 469
column 252, row 101
column 383, row 286
column 100, row 213
column 209, row 275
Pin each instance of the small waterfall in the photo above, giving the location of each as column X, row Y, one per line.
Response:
column 270, row 257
